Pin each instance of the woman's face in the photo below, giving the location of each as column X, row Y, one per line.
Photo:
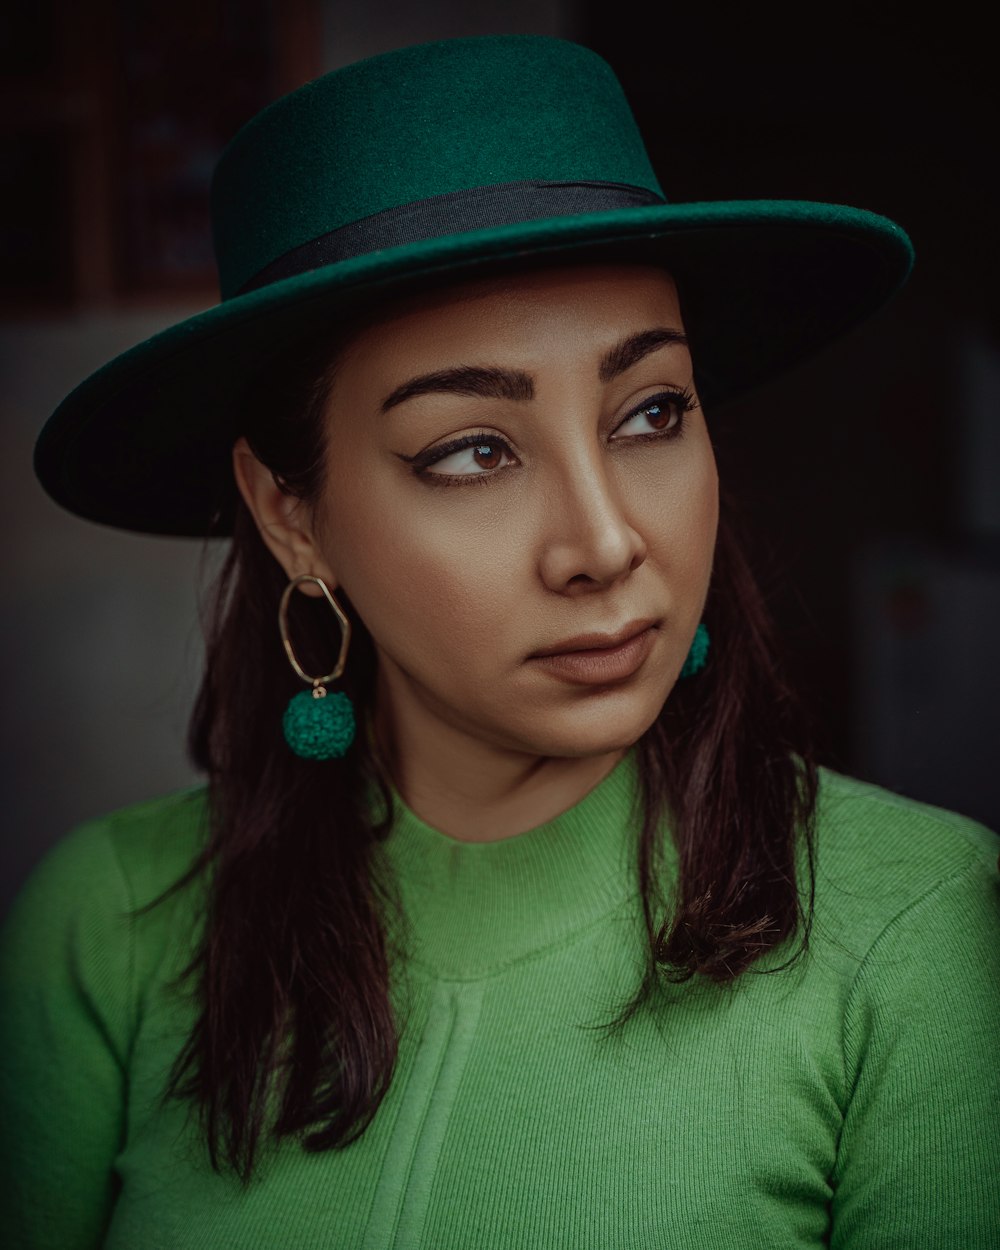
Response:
column 512, row 463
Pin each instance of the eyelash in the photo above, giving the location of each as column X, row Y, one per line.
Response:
column 682, row 401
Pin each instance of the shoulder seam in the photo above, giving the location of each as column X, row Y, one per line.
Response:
column 970, row 868
column 132, row 990
column 852, row 790
column 106, row 826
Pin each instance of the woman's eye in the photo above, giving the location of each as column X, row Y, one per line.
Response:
column 473, row 457
column 476, row 457
column 663, row 414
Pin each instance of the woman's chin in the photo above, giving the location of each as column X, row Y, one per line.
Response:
column 599, row 727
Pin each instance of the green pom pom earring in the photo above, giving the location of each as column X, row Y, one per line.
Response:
column 317, row 725
column 697, row 656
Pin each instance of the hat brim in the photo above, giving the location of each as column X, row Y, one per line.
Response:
column 144, row 443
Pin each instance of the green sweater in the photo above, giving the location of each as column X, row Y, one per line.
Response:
column 849, row 1101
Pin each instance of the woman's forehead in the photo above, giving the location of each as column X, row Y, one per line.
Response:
column 603, row 296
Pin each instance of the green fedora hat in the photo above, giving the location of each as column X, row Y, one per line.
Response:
column 421, row 166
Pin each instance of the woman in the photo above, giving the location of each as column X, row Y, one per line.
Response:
column 533, row 921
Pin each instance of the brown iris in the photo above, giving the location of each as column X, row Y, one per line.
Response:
column 659, row 416
column 490, row 452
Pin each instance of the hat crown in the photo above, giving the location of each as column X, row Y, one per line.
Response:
column 412, row 124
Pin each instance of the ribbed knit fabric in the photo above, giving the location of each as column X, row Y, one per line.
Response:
column 851, row 1100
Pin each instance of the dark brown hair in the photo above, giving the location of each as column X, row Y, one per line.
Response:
column 296, row 1034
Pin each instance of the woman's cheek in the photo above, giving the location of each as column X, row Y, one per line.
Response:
column 418, row 597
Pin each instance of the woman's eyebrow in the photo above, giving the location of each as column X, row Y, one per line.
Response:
column 632, row 349
column 486, row 381
column 494, row 382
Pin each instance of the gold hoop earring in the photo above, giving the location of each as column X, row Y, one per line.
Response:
column 317, row 725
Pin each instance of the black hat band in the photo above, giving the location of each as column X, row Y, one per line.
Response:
column 456, row 212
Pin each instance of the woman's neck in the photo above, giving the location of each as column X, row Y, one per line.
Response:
column 473, row 790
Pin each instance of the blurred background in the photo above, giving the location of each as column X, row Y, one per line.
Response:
column 869, row 479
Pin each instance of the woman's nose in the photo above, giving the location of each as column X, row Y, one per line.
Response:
column 589, row 539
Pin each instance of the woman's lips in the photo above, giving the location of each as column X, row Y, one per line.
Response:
column 599, row 665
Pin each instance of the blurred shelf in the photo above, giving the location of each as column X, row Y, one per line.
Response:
column 107, row 151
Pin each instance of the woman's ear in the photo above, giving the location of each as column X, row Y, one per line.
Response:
column 284, row 521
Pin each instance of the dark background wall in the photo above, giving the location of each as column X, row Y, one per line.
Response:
column 869, row 480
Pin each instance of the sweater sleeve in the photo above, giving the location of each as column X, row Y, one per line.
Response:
column 65, row 1025
column 919, row 1152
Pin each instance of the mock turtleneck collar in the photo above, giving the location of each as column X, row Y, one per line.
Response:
column 473, row 908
